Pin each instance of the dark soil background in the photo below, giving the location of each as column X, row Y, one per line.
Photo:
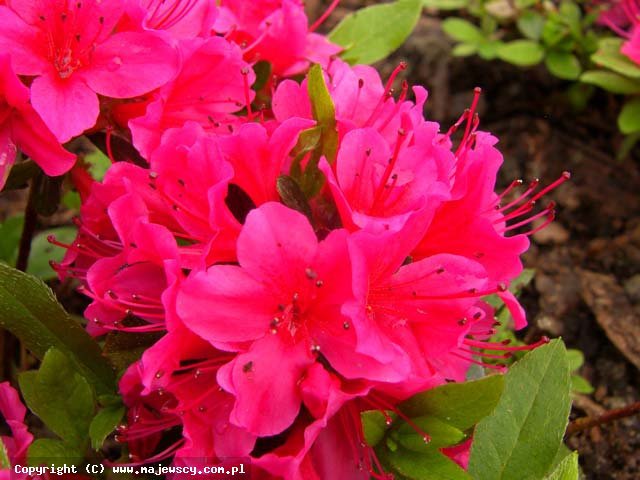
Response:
column 587, row 283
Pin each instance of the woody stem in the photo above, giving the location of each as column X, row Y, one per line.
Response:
column 585, row 423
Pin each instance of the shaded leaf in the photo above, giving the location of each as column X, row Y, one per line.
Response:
column 563, row 65
column 611, row 81
column 426, row 465
column 629, row 118
column 442, row 434
column 374, row 425
column 61, row 397
column 523, row 53
column 609, row 56
column 568, row 469
column 45, row 451
column 104, row 423
column 42, row 252
column 29, row 310
column 462, row 30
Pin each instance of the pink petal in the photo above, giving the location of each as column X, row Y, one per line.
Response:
column 7, row 155
column 285, row 240
column 22, row 43
column 225, row 304
column 68, row 107
column 265, row 383
column 128, row 64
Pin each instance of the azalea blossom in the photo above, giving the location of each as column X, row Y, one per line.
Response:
column 72, row 50
column 21, row 128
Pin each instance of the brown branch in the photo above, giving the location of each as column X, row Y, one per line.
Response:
column 585, row 423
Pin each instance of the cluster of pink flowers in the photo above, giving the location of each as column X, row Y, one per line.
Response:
column 270, row 328
column 623, row 17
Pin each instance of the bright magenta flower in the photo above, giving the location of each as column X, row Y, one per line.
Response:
column 180, row 18
column 21, row 128
column 70, row 48
column 212, row 84
column 623, row 17
column 13, row 411
column 275, row 31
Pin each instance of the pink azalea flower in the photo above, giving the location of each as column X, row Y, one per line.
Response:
column 14, row 411
column 22, row 129
column 213, row 83
column 70, row 49
column 360, row 98
column 631, row 48
column 623, row 17
column 278, row 310
column 276, row 32
column 259, row 157
column 379, row 186
column 180, row 18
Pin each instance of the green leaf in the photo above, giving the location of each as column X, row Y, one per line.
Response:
column 429, row 464
column 45, row 451
column 464, row 50
column 324, row 112
column 10, row 233
column 575, row 358
column 530, row 24
column 563, row 65
column 629, row 118
column 553, row 32
column 462, row 30
column 461, row 405
column 521, row 437
column 61, row 397
column 42, row 252
column 445, row 4
column 611, row 81
column 5, row 462
column 98, row 164
column 609, row 56
column 372, row 33
column 103, row 424
column 627, row 145
column 29, row 310
column 580, row 385
column 568, row 469
column 488, row 49
column 442, row 434
column 522, row 53
column 375, row 425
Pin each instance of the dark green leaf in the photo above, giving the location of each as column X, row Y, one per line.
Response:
column 563, row 65
column 45, row 451
column 29, row 310
column 461, row 405
column 629, row 118
column 430, row 464
column 523, row 53
column 103, row 424
column 10, row 232
column 612, row 82
column 375, row 425
column 521, row 437
column 61, row 397
column 462, row 30
column 442, row 434
column 262, row 70
column 372, row 33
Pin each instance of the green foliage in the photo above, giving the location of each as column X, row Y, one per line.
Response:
column 578, row 384
column 521, row 437
column 29, row 310
column 461, row 405
column 61, row 397
column 104, row 423
column 629, row 118
column 609, row 56
column 43, row 450
column 372, row 33
column 523, row 53
column 568, row 469
column 42, row 252
column 611, row 81
column 429, row 464
column 563, row 65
